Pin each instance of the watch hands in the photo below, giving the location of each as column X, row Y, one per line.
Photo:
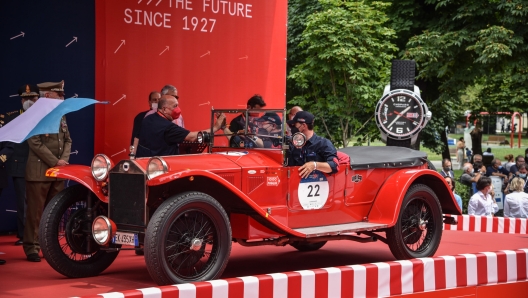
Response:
column 399, row 115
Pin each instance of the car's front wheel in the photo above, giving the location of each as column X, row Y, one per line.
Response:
column 188, row 239
column 418, row 231
column 66, row 234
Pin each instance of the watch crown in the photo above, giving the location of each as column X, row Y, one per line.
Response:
column 428, row 115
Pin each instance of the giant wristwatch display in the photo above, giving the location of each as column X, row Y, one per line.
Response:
column 401, row 113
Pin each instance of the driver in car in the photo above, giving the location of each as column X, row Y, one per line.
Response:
column 270, row 124
column 317, row 153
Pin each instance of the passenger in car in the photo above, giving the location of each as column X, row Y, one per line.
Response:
column 159, row 136
column 269, row 124
column 317, row 153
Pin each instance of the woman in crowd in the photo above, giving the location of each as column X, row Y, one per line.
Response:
column 482, row 202
column 516, row 203
column 451, row 182
column 460, row 152
column 510, row 160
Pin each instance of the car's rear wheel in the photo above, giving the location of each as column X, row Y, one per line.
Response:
column 418, row 231
column 188, row 239
column 65, row 234
column 307, row 246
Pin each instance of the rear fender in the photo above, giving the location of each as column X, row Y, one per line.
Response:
column 81, row 174
column 387, row 205
column 195, row 175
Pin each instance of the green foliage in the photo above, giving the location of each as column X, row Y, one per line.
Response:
column 346, row 52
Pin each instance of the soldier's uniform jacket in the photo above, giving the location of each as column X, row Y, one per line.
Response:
column 45, row 151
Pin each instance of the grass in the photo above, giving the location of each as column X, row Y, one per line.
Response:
column 498, row 150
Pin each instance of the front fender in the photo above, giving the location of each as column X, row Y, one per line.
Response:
column 191, row 174
column 388, row 201
column 81, row 174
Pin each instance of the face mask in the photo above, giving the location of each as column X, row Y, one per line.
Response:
column 27, row 104
column 447, row 169
column 294, row 130
column 176, row 113
column 522, row 175
column 500, row 167
column 154, row 105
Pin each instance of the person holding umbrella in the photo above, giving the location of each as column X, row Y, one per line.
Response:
column 45, row 151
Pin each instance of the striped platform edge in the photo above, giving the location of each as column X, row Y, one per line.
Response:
column 367, row 280
column 490, row 224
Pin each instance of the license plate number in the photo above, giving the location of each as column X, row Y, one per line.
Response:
column 126, row 239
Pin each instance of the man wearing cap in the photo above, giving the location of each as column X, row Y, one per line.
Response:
column 269, row 124
column 160, row 136
column 317, row 153
column 45, row 151
column 16, row 166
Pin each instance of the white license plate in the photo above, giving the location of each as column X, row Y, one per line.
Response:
column 126, row 239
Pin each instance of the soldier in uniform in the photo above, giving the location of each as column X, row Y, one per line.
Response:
column 6, row 149
column 16, row 166
column 45, row 151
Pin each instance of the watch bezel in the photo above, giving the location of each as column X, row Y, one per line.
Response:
column 422, row 118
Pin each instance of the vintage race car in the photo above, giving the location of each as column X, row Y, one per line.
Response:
column 185, row 211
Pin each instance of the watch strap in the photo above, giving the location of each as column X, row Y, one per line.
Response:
column 402, row 74
column 398, row 143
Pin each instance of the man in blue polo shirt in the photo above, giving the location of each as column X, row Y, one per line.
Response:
column 317, row 154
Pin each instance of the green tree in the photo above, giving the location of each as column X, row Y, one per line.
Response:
column 346, row 52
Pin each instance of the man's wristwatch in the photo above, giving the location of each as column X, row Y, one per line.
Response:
column 401, row 113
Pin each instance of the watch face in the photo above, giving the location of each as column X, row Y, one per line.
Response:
column 400, row 114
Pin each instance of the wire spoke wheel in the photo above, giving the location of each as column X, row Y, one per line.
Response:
column 191, row 245
column 66, row 234
column 418, row 230
column 188, row 239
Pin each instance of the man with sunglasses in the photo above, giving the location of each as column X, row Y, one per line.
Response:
column 317, row 153
column 269, row 124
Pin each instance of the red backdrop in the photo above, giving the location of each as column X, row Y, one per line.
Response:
column 217, row 53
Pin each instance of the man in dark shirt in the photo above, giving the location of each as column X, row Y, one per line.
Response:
column 154, row 96
column 317, row 154
column 514, row 169
column 159, row 136
column 496, row 169
column 238, row 123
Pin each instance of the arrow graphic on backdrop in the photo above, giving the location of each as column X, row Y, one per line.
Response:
column 75, row 96
column 166, row 49
column 122, row 43
column 124, row 150
column 205, row 103
column 208, row 53
column 21, row 34
column 14, row 95
column 149, row 2
column 122, row 97
column 74, row 152
column 74, row 39
column 243, row 57
column 158, row 2
column 139, row 1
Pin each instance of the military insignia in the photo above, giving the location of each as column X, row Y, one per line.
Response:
column 64, row 125
column 357, row 178
column 3, row 157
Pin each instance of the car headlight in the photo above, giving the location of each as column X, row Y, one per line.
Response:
column 199, row 137
column 156, row 166
column 298, row 140
column 103, row 230
column 100, row 167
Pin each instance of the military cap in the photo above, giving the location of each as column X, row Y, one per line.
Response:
column 28, row 90
column 52, row 86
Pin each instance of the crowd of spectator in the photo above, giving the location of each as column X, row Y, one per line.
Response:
column 478, row 175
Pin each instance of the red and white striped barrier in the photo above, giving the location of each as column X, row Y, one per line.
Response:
column 490, row 224
column 368, row 280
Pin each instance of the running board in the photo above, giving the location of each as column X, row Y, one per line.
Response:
column 340, row 229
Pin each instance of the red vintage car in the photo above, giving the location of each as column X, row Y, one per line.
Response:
column 185, row 211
